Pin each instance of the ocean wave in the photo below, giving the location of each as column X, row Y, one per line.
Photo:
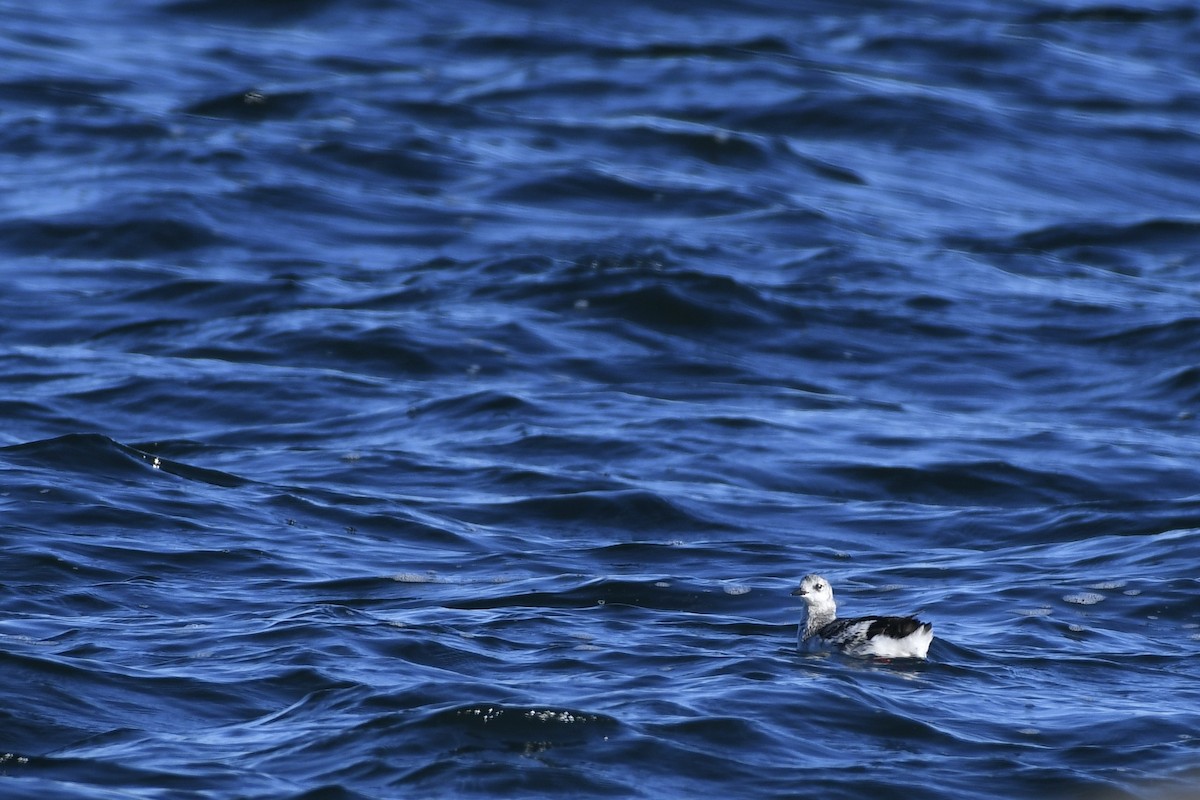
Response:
column 445, row 399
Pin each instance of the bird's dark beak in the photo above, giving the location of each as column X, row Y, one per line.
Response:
column 799, row 592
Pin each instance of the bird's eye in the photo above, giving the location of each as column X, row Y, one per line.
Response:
column 818, row 587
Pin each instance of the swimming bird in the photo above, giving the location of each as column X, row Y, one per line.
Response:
column 882, row 637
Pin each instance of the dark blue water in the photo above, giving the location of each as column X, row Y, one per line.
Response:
column 441, row 400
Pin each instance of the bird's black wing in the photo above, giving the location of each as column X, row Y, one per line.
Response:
column 895, row 627
column 869, row 627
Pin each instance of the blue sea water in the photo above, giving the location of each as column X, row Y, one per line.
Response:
column 441, row 400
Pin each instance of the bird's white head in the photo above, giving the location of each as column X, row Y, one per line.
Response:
column 816, row 593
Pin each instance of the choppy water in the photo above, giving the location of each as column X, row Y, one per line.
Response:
column 440, row 400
